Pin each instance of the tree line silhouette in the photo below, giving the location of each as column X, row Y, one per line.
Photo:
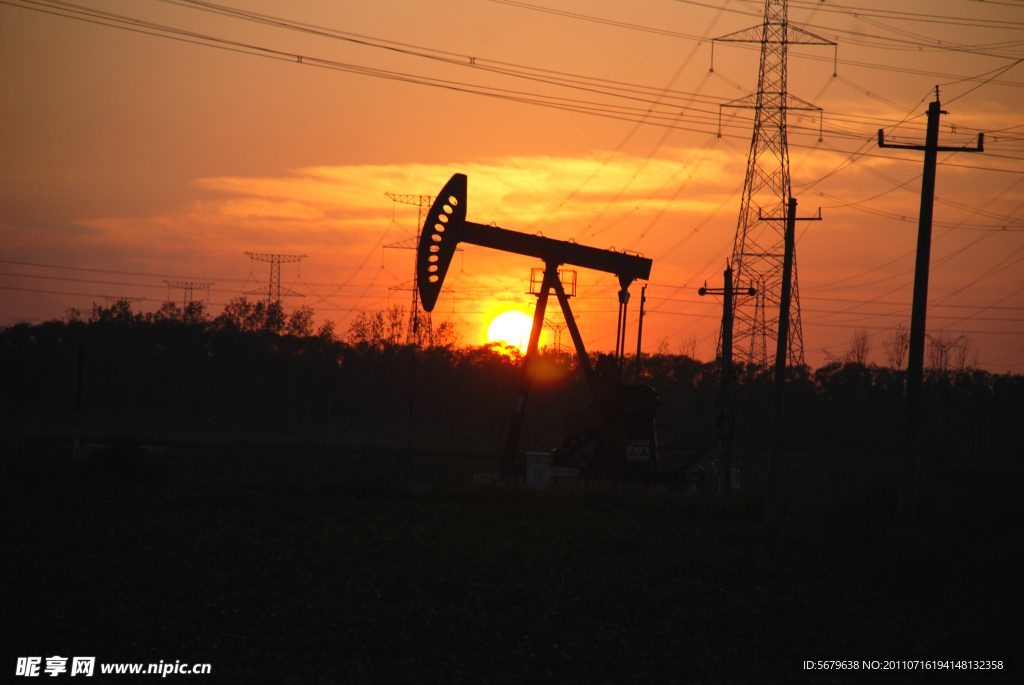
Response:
column 255, row 371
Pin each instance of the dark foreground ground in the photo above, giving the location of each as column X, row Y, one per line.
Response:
column 285, row 565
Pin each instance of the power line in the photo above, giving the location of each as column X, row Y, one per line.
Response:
column 908, row 16
column 855, row 36
column 420, row 51
column 630, row 114
column 862, row 12
column 553, row 77
column 812, row 322
column 138, row 273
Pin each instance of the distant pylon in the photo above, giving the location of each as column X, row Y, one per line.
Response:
column 122, row 298
column 187, row 287
column 420, row 330
column 113, row 299
column 275, row 289
column 759, row 246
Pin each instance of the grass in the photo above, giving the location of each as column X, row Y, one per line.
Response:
column 289, row 566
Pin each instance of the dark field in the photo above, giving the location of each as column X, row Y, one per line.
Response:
column 312, row 564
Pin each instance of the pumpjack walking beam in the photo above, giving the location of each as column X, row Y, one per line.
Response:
column 446, row 226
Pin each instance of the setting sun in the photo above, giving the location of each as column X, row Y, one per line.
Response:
column 511, row 328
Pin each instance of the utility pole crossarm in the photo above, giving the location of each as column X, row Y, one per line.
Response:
column 786, row 218
column 980, row 147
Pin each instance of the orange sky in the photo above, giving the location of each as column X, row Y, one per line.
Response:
column 125, row 152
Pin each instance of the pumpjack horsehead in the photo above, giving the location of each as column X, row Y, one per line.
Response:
column 615, row 437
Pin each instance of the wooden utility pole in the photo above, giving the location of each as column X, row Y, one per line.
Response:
column 726, row 419
column 915, row 360
column 771, row 500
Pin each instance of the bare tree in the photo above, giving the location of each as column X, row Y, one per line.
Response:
column 896, row 347
column 445, row 335
column 395, row 325
column 377, row 329
column 367, row 328
column 688, row 346
column 859, row 347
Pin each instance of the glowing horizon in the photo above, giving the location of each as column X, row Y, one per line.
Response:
column 168, row 159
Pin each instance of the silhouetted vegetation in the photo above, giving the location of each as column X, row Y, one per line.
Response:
column 300, row 553
column 256, row 371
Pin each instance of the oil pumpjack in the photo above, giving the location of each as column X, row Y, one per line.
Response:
column 615, row 437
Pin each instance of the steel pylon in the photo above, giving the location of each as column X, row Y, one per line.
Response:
column 759, row 245
column 187, row 287
column 420, row 330
column 274, row 290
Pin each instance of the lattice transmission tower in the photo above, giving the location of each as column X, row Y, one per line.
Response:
column 275, row 290
column 188, row 287
column 111, row 299
column 420, row 330
column 759, row 246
